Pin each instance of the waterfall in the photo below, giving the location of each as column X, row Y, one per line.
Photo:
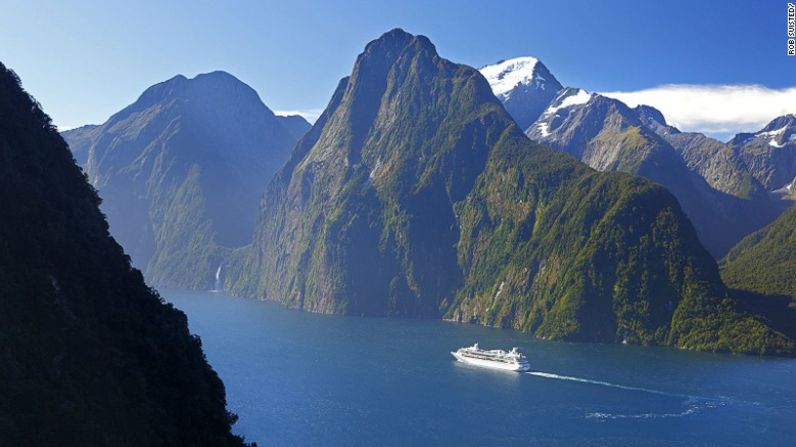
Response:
column 217, row 284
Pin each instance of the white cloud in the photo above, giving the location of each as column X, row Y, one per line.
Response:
column 714, row 109
column 310, row 115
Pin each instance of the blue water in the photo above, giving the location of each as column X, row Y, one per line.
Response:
column 301, row 379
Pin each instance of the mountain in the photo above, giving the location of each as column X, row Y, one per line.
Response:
column 714, row 188
column 181, row 171
column 524, row 85
column 416, row 194
column 80, row 140
column 761, row 270
column 295, row 124
column 765, row 261
column 603, row 133
column 771, row 152
column 90, row 354
column 711, row 159
column 713, row 185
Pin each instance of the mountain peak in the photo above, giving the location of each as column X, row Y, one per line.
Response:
column 181, row 85
column 505, row 75
column 781, row 131
column 216, row 76
column 214, row 89
column 397, row 33
column 215, row 135
column 769, row 152
column 778, row 133
column 650, row 115
column 524, row 85
column 780, row 124
column 176, row 79
column 508, row 74
column 395, row 40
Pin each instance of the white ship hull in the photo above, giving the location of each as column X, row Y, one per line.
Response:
column 490, row 364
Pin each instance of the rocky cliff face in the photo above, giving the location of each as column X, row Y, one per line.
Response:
column 770, row 153
column 181, row 171
column 416, row 194
column 89, row 355
column 711, row 159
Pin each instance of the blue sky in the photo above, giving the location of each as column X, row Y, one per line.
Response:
column 84, row 60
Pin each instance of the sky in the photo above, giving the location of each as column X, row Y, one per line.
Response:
column 719, row 67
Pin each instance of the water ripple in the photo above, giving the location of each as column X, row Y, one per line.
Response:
column 611, row 385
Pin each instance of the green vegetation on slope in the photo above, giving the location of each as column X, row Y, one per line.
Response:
column 188, row 253
column 89, row 355
column 713, row 186
column 415, row 194
column 765, row 261
column 554, row 248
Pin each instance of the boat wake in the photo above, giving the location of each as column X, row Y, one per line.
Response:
column 608, row 384
column 692, row 407
column 691, row 404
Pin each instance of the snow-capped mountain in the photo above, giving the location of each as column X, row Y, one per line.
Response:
column 605, row 134
column 557, row 111
column 779, row 132
column 506, row 75
column 524, row 85
column 771, row 152
column 711, row 182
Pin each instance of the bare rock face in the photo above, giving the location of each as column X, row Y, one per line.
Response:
column 770, row 153
column 714, row 161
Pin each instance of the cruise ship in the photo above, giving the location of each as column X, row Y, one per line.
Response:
column 512, row 360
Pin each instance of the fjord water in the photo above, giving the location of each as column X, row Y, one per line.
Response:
column 299, row 379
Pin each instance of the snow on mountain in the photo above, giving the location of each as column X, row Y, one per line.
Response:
column 780, row 134
column 773, row 133
column 544, row 129
column 505, row 75
column 524, row 86
column 773, row 142
column 571, row 97
column 770, row 153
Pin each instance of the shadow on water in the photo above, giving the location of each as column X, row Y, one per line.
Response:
column 778, row 310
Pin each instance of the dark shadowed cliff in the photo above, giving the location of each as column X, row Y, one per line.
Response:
column 89, row 355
